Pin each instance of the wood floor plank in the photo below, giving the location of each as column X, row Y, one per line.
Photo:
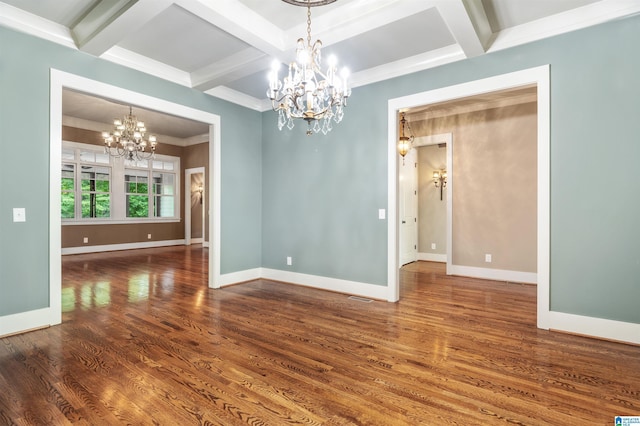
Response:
column 144, row 341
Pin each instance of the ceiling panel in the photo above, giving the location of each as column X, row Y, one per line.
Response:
column 286, row 16
column 99, row 110
column 504, row 14
column 406, row 37
column 182, row 40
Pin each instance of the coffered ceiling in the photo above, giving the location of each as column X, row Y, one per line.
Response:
column 225, row 47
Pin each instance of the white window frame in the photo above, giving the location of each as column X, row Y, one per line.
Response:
column 118, row 195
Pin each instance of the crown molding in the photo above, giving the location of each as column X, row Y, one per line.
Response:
column 227, row 94
column 25, row 22
column 561, row 23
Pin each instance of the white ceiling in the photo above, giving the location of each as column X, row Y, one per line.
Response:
column 225, row 47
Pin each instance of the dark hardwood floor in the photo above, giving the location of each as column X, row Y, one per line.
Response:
column 144, row 341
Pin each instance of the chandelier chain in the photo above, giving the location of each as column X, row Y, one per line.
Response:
column 309, row 25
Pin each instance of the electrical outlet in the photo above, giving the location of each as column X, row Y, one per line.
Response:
column 148, row 236
column 289, row 261
column 433, row 246
column 382, row 213
column 85, row 240
column 19, row 214
column 487, row 258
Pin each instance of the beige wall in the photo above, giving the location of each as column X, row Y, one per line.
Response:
column 73, row 235
column 495, row 186
column 432, row 212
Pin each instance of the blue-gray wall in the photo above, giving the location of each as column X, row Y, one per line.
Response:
column 316, row 198
column 25, row 62
column 321, row 194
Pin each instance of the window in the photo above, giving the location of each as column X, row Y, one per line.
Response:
column 96, row 187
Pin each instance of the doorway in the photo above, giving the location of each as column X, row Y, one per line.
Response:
column 536, row 76
column 61, row 80
column 194, row 206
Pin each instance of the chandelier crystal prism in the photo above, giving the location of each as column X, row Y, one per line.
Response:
column 128, row 139
column 306, row 92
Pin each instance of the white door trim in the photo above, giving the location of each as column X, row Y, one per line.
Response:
column 538, row 76
column 187, row 203
column 445, row 138
column 60, row 80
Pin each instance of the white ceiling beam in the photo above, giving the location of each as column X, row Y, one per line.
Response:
column 460, row 21
column 238, row 65
column 110, row 21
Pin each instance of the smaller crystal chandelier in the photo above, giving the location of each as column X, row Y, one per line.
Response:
column 306, row 92
column 404, row 141
column 127, row 139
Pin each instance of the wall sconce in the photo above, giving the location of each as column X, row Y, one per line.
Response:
column 404, row 141
column 200, row 191
column 440, row 180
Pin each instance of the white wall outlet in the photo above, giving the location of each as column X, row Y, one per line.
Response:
column 433, row 246
column 19, row 214
column 289, row 261
column 148, row 236
column 85, row 240
column 382, row 213
column 487, row 258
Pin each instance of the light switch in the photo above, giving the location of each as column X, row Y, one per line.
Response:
column 19, row 214
column 381, row 213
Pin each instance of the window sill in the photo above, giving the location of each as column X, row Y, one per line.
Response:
column 71, row 222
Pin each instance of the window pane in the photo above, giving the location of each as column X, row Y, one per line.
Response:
column 102, row 158
column 68, row 154
column 95, row 205
column 88, row 156
column 136, row 163
column 137, row 206
column 163, row 206
column 68, row 205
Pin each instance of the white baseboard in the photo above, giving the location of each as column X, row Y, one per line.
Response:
column 196, row 240
column 325, row 283
column 595, row 327
column 205, row 244
column 240, row 277
column 493, row 274
column 25, row 321
column 433, row 257
column 127, row 246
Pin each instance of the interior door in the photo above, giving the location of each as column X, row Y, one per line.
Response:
column 408, row 207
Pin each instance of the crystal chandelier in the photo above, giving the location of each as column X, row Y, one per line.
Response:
column 306, row 92
column 127, row 139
